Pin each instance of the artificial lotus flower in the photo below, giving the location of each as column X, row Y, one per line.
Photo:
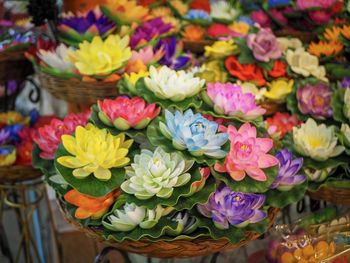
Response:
column 193, row 132
column 149, row 31
column 161, row 11
column 201, row 5
column 345, row 132
column 24, row 153
column 171, row 57
column 316, row 141
column 285, row 43
column 332, row 34
column 212, row 72
column 228, row 208
column 174, row 22
column 48, row 137
column 179, row 6
column 303, row 63
column 249, row 87
column 101, row 57
column 57, row 58
column 345, row 83
column 12, row 38
column 223, row 10
column 7, row 155
column 165, row 83
column 89, row 206
column 221, row 49
column 186, row 224
column 131, row 216
column 125, row 113
column 346, row 107
column 4, row 136
column 240, row 27
column 278, row 70
column 196, row 14
column 13, row 117
column 317, row 175
column 125, row 11
column 146, row 55
column 284, row 122
column 216, row 30
column 345, row 31
column 80, row 27
column 259, row 16
column 156, row 174
column 324, row 48
column 41, row 44
column 289, row 168
column 279, row 89
column 94, row 151
column 315, row 100
column 193, row 33
column 14, row 131
column 229, row 99
column 133, row 78
column 248, row 154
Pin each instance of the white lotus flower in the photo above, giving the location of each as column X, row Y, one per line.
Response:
column 156, row 174
column 131, row 216
column 223, row 10
column 174, row 85
column 58, row 58
column 316, row 141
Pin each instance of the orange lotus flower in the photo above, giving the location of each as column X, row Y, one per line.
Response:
column 89, row 206
column 323, row 48
column 127, row 11
column 345, row 31
column 332, row 34
column 193, row 33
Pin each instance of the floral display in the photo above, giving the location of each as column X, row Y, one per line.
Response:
column 12, row 39
column 58, row 58
column 283, row 122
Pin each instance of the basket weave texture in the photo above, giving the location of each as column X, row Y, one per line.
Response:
column 14, row 66
column 18, row 173
column 76, row 91
column 201, row 246
column 333, row 195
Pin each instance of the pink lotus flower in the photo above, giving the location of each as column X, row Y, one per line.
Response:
column 261, row 18
column 306, row 4
column 248, row 154
column 48, row 137
column 264, row 45
column 230, row 100
column 145, row 55
column 125, row 113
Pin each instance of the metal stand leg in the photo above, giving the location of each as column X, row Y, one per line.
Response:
column 102, row 256
column 4, row 244
column 215, row 257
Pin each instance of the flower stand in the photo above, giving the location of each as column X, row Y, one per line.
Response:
column 14, row 66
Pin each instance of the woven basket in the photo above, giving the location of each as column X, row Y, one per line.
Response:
column 14, row 66
column 333, row 195
column 76, row 91
column 272, row 108
column 197, row 47
column 201, row 246
column 18, row 173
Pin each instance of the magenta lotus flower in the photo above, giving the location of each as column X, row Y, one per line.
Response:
column 315, row 100
column 264, row 45
column 230, row 100
column 248, row 154
column 48, row 137
column 125, row 113
column 320, row 17
column 307, row 4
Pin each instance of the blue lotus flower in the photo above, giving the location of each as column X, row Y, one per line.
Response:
column 195, row 14
column 194, row 133
column 14, row 132
column 275, row 3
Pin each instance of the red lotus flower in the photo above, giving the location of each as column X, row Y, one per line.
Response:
column 201, row 4
column 32, row 51
column 24, row 153
column 245, row 72
column 279, row 69
column 217, row 30
column 89, row 206
column 284, row 122
column 125, row 113
column 48, row 137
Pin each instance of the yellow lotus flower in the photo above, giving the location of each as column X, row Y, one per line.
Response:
column 180, row 6
column 214, row 67
column 94, row 151
column 221, row 49
column 101, row 57
column 279, row 89
column 134, row 77
column 240, row 27
column 127, row 11
column 332, row 34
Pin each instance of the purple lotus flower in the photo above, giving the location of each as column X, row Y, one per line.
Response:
column 315, row 100
column 287, row 176
column 85, row 27
column 226, row 208
column 171, row 51
column 345, row 84
column 149, row 31
column 4, row 136
column 264, row 45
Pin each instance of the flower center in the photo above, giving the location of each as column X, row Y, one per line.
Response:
column 315, row 142
column 319, row 101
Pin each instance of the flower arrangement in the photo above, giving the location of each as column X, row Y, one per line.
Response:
column 12, row 40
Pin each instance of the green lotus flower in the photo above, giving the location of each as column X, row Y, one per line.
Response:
column 132, row 216
column 156, row 174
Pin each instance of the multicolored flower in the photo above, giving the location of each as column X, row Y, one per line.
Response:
column 94, row 151
column 289, row 168
column 320, row 147
column 156, row 174
column 248, row 154
column 125, row 113
column 315, row 100
column 229, row 99
column 228, row 208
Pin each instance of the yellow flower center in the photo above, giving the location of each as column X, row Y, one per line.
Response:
column 315, row 142
column 319, row 101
